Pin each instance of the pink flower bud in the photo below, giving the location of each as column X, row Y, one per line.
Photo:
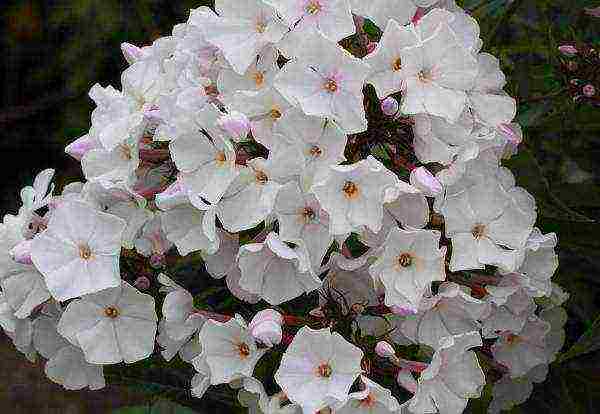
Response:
column 317, row 313
column 371, row 47
column 235, row 124
column 567, row 50
column 157, row 260
column 385, row 350
column 594, row 12
column 418, row 15
column 402, row 311
column 589, row 90
column 21, row 253
column 512, row 132
column 132, row 53
column 80, row 146
column 142, row 283
column 266, row 327
column 425, row 181
column 390, row 106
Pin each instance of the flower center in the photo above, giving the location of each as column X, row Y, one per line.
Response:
column 259, row 78
column 350, row 189
column 513, row 339
column 220, row 157
column 275, row 113
column 125, row 152
column 324, row 370
column 368, row 401
column 397, row 65
column 425, row 76
column 478, row 231
column 405, row 260
column 111, row 312
column 85, row 252
column 261, row 177
column 308, row 214
column 211, row 90
column 315, row 151
column 261, row 27
column 313, row 7
column 331, row 85
column 244, row 350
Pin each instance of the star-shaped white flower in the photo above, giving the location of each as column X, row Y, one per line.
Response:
column 79, row 252
column 353, row 195
column 411, row 260
column 318, row 369
column 229, row 350
column 325, row 80
column 114, row 325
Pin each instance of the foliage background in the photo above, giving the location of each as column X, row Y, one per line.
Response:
column 55, row 50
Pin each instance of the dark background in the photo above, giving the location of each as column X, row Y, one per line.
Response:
column 54, row 51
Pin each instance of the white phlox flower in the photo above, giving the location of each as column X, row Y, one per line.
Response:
column 229, row 350
column 114, row 325
column 318, row 369
column 275, row 271
column 410, row 261
column 453, row 376
column 327, row 81
column 353, row 195
column 79, row 251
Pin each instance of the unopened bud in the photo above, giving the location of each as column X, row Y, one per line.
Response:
column 131, row 53
column 371, row 47
column 266, row 327
column 402, row 311
column 235, row 124
column 21, row 253
column 567, row 50
column 385, row 350
column 390, row 106
column 142, row 283
column 425, row 181
column 317, row 313
column 80, row 146
column 589, row 90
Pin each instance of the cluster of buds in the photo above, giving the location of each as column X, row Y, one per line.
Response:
column 580, row 64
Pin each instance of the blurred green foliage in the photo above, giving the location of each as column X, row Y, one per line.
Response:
column 55, row 50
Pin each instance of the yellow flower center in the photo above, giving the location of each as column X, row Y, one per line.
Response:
column 220, row 157
column 244, row 350
column 478, row 231
column 85, row 252
column 315, row 151
column 350, row 190
column 324, row 370
column 397, row 65
column 261, row 177
column 424, row 76
column 261, row 27
column 405, row 260
column 259, row 78
column 330, row 86
column 111, row 312
column 275, row 113
column 313, row 7
column 308, row 214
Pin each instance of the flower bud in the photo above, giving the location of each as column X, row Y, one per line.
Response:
column 390, row 106
column 385, row 350
column 21, row 253
column 80, row 146
column 132, row 53
column 425, row 181
column 317, row 313
column 567, row 50
column 402, row 311
column 142, row 283
column 235, row 124
column 589, row 90
column 371, row 47
column 266, row 327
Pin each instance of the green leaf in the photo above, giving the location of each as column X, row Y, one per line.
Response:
column 588, row 342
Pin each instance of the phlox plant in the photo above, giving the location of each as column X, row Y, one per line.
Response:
column 316, row 216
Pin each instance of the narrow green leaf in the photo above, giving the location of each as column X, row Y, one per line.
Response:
column 588, row 342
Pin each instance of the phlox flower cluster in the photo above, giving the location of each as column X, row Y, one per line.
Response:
column 248, row 138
